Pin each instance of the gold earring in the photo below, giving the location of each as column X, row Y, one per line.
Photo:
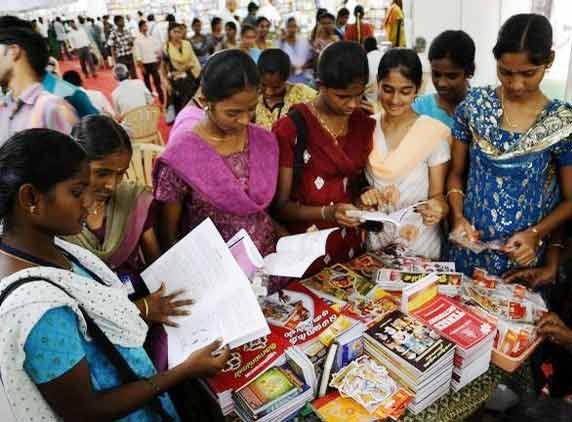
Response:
column 33, row 209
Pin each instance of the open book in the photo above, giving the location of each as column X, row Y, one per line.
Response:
column 398, row 218
column 225, row 305
column 294, row 254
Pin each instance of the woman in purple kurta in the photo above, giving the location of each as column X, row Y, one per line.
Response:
column 222, row 166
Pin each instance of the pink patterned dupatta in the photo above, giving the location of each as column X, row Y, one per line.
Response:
column 205, row 171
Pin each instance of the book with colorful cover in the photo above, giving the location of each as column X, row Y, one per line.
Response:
column 392, row 279
column 365, row 265
column 273, row 386
column 454, row 322
column 338, row 284
column 410, row 340
column 371, row 309
column 335, row 408
column 315, row 315
column 248, row 361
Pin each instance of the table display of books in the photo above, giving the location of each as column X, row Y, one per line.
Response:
column 417, row 356
column 351, row 343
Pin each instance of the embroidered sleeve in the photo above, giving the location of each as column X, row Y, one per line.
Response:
column 460, row 129
column 170, row 187
column 54, row 346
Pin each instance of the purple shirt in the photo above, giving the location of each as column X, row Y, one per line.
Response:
column 35, row 108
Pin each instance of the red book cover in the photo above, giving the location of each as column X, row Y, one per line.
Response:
column 313, row 315
column 248, row 361
column 296, row 317
column 454, row 322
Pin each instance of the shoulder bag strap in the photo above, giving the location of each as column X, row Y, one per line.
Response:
column 299, row 148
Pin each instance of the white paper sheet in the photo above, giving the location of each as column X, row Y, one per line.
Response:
column 224, row 304
column 294, row 254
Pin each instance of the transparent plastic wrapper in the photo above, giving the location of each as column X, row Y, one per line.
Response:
column 476, row 246
column 513, row 339
column 509, row 302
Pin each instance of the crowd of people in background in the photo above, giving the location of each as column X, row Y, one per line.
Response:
column 168, row 55
column 272, row 134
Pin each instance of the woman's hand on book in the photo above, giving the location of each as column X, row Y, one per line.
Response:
column 339, row 214
column 433, row 211
column 161, row 306
column 207, row 361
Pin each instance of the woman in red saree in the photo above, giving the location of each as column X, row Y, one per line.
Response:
column 119, row 228
column 338, row 141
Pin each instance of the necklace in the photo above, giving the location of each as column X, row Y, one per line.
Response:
column 505, row 114
column 330, row 131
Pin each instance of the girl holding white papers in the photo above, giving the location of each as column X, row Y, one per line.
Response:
column 408, row 163
column 71, row 340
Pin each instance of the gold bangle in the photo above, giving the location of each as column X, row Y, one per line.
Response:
column 459, row 191
column 535, row 231
column 323, row 212
column 558, row 245
column 146, row 307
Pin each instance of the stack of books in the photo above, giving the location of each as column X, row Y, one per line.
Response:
column 245, row 363
column 473, row 335
column 416, row 356
column 275, row 395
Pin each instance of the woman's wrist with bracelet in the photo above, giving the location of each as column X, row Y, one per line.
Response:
column 327, row 212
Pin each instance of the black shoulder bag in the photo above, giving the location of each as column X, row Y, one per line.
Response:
column 299, row 148
column 126, row 374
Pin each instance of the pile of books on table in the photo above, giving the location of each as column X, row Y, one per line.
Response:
column 473, row 336
column 416, row 356
column 277, row 394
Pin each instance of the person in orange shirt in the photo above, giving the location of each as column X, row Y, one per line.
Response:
column 359, row 30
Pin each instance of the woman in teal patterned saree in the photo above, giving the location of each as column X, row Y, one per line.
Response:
column 511, row 173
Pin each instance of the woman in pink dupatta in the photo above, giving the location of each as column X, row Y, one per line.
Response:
column 119, row 228
column 222, row 167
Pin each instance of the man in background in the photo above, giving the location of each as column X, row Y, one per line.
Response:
column 130, row 93
column 80, row 42
column 61, row 36
column 147, row 51
column 121, row 43
column 23, row 60
column 97, row 98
